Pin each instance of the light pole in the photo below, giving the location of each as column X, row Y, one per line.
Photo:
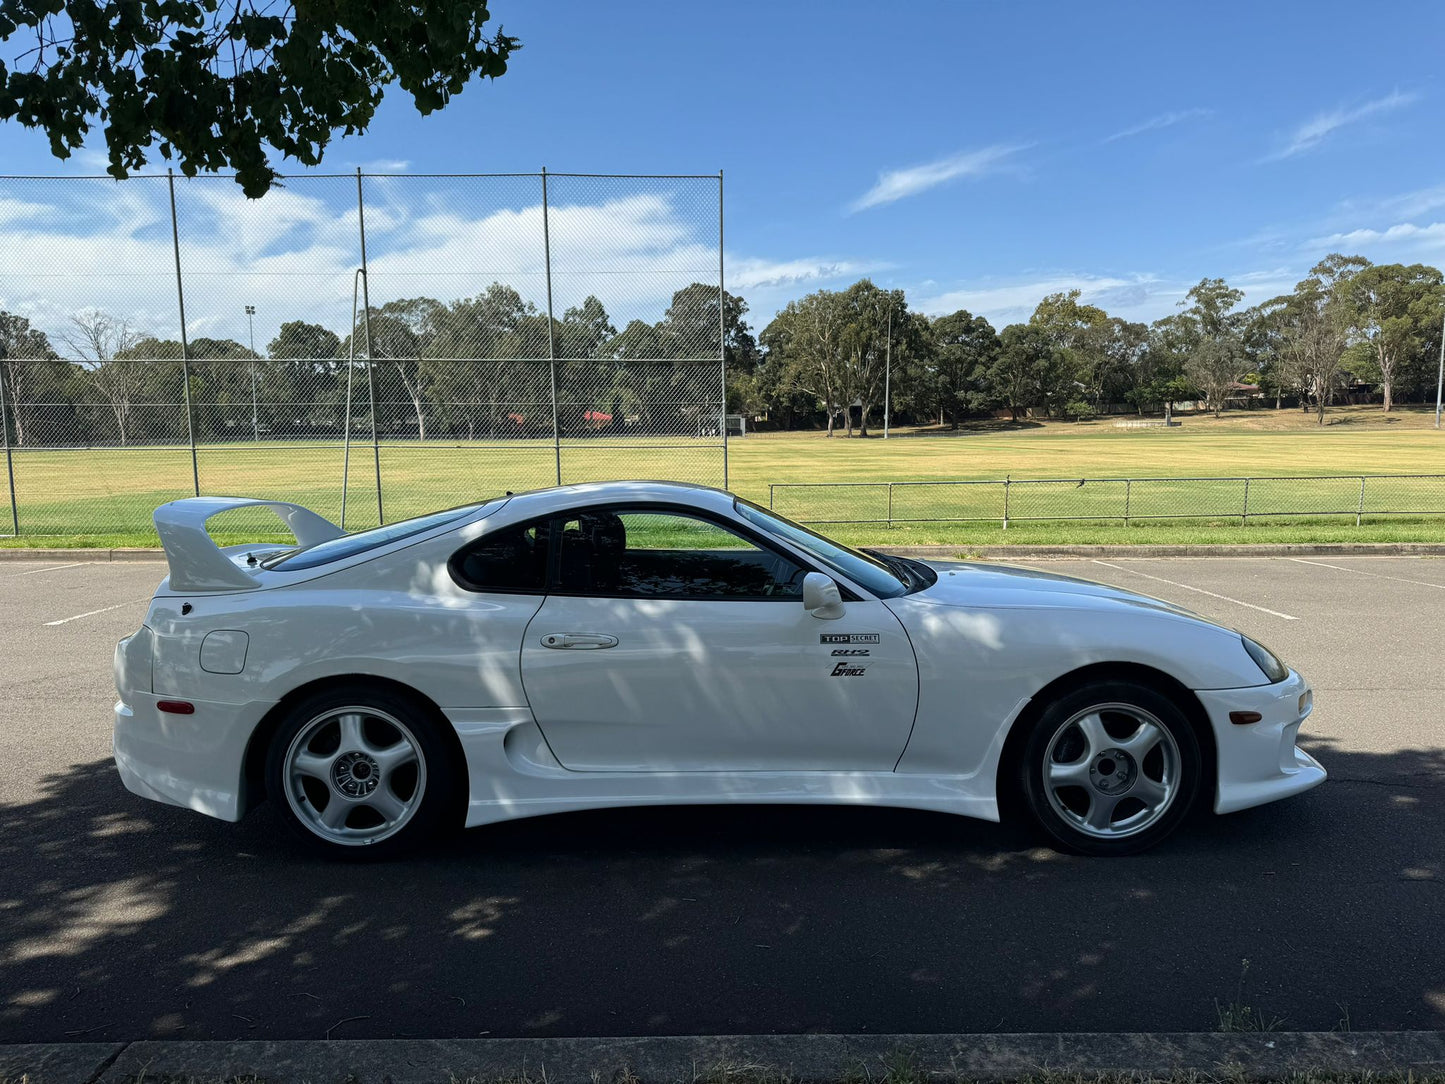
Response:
column 887, row 369
column 251, row 332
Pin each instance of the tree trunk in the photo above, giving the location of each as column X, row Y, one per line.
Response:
column 832, row 414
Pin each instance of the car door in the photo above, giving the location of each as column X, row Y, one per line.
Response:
column 670, row 641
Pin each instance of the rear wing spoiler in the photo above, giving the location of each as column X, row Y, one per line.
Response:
column 198, row 564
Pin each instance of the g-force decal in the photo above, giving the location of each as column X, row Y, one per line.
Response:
column 848, row 669
column 848, row 638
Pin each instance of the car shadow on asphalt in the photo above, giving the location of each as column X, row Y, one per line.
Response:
column 122, row 919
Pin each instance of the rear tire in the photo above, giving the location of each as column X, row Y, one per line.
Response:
column 1110, row 768
column 361, row 772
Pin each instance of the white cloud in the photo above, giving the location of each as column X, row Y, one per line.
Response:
column 1163, row 120
column 75, row 245
column 1008, row 303
column 1315, row 131
column 752, row 273
column 1402, row 233
column 1405, row 205
column 900, row 183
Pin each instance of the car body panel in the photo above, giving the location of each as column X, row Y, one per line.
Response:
column 713, row 685
column 699, row 701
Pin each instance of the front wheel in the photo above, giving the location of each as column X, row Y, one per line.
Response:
column 360, row 773
column 1111, row 768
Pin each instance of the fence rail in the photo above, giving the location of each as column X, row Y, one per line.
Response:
column 1126, row 500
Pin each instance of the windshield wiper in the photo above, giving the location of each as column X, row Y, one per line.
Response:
column 899, row 567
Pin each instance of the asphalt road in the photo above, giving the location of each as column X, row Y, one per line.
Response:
column 121, row 919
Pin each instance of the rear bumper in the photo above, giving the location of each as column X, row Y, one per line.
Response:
column 195, row 761
column 1260, row 762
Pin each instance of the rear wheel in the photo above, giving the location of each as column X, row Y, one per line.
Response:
column 1111, row 768
column 360, row 772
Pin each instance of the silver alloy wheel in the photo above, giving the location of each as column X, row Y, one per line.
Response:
column 367, row 766
column 1110, row 786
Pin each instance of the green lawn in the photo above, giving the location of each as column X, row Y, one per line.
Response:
column 105, row 497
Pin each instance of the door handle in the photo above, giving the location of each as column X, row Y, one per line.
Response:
column 585, row 641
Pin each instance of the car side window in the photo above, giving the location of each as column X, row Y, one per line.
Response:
column 513, row 559
column 664, row 554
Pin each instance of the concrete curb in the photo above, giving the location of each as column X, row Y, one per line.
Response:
column 16, row 553
column 1280, row 549
column 1268, row 1055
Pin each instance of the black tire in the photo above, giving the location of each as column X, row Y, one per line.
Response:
column 1102, row 776
column 428, row 785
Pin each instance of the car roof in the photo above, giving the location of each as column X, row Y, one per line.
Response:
column 558, row 498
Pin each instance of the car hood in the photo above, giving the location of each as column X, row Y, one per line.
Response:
column 968, row 583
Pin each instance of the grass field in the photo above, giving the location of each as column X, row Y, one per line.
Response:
column 106, row 496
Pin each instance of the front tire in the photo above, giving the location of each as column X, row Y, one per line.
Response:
column 1111, row 768
column 360, row 772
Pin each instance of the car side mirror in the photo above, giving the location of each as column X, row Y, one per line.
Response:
column 821, row 596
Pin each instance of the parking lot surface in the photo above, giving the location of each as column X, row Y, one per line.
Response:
column 122, row 919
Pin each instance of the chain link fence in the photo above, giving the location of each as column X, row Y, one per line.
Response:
column 1116, row 500
column 374, row 346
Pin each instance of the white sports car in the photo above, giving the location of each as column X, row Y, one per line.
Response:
column 651, row 643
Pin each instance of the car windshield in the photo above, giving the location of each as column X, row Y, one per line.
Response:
column 350, row 545
column 877, row 575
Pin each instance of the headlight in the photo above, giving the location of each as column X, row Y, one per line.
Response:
column 1266, row 660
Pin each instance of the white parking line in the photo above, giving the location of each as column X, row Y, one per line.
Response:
column 92, row 613
column 47, row 568
column 1362, row 572
column 1200, row 590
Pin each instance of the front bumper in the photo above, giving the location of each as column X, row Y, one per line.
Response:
column 1260, row 762
column 195, row 761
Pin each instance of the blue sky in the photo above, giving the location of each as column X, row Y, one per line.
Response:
column 975, row 155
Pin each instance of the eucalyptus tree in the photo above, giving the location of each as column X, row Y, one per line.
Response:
column 964, row 347
column 1396, row 310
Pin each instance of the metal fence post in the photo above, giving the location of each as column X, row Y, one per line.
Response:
column 551, row 332
column 771, row 487
column 185, row 343
column 370, row 358
column 1128, row 487
column 1005, row 503
column 1360, row 508
column 722, row 333
column 9, row 461
column 890, row 505
column 1244, row 512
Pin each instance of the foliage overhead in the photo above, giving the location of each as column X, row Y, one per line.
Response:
column 215, row 86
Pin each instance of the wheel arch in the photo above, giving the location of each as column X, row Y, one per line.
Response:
column 253, row 770
column 1137, row 673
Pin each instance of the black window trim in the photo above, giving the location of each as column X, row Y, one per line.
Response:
column 744, row 530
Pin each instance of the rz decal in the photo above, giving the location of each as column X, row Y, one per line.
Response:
column 847, row 669
column 849, row 651
column 848, row 638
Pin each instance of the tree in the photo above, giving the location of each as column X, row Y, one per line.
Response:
column 872, row 316
column 1030, row 371
column 23, row 349
column 300, row 341
column 964, row 347
column 1312, row 325
column 96, row 338
column 1211, row 334
column 1395, row 309
column 1065, row 321
column 220, row 85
